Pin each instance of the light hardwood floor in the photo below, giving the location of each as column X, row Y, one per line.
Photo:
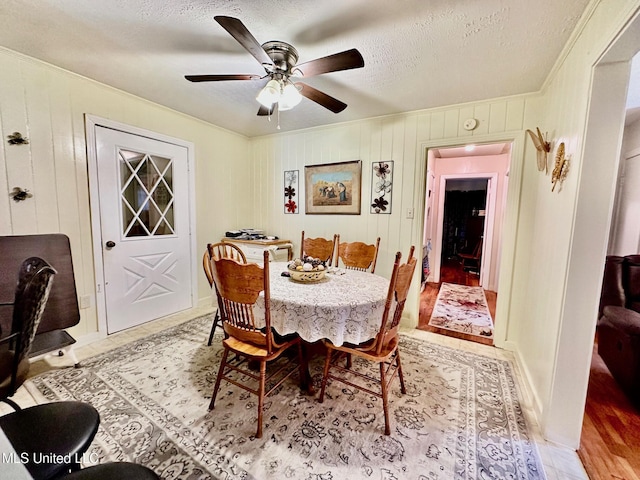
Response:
column 451, row 272
column 610, row 442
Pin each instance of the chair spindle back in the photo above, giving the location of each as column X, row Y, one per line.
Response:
column 239, row 286
column 398, row 289
column 321, row 248
column 358, row 255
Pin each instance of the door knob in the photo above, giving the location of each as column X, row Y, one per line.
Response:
column 110, row 244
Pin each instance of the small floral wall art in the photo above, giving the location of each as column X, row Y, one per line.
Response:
column 381, row 186
column 291, row 191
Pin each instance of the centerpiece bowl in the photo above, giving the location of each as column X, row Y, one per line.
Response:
column 305, row 271
column 307, row 277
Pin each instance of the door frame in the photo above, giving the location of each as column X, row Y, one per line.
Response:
column 489, row 220
column 509, row 216
column 91, row 122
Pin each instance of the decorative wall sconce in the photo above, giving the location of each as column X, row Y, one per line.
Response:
column 561, row 167
column 543, row 147
column 16, row 138
column 19, row 194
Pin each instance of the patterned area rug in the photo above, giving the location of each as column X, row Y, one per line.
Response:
column 460, row 419
column 462, row 309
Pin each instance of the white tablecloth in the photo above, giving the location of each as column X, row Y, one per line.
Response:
column 343, row 308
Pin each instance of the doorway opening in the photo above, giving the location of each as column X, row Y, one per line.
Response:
column 143, row 216
column 601, row 456
column 464, row 208
column 463, row 224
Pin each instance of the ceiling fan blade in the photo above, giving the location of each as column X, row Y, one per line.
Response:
column 333, row 63
column 264, row 111
column 238, row 31
column 321, row 98
column 220, row 78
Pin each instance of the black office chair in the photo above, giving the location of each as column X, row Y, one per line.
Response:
column 59, row 428
column 111, row 471
column 34, row 284
column 471, row 261
column 63, row 429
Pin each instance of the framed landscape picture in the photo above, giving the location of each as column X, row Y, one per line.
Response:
column 333, row 188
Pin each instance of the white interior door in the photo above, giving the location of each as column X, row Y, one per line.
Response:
column 145, row 227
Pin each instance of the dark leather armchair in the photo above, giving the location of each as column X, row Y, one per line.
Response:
column 619, row 322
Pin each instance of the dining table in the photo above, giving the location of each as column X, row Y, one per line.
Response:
column 346, row 306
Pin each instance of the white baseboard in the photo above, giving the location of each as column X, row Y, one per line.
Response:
column 530, row 394
column 206, row 302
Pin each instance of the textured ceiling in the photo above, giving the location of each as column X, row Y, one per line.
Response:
column 418, row 54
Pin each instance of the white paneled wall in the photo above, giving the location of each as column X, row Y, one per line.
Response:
column 401, row 138
column 557, row 278
column 47, row 105
column 240, row 184
column 539, row 313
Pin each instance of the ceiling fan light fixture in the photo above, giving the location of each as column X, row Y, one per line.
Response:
column 280, row 61
column 290, row 97
column 270, row 94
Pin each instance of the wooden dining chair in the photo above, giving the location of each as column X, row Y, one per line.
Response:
column 239, row 286
column 383, row 349
column 358, row 255
column 471, row 261
column 219, row 250
column 321, row 248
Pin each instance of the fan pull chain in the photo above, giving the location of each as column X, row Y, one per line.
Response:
column 278, row 127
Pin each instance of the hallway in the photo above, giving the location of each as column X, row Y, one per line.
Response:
column 452, row 272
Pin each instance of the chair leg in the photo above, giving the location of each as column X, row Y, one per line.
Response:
column 325, row 374
column 400, row 375
column 223, row 363
column 72, row 354
column 213, row 327
column 385, row 401
column 261, row 388
column 349, row 363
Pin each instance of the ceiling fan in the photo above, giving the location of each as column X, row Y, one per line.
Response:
column 280, row 62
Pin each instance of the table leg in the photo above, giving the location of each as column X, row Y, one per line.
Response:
column 306, row 383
